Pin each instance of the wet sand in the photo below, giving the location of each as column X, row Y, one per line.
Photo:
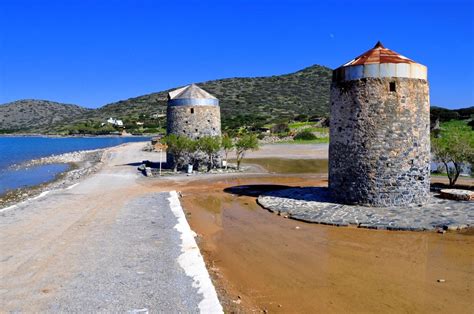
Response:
column 283, row 265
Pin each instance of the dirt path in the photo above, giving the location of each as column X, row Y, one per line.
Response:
column 108, row 244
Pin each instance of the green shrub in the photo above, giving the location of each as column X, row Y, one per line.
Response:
column 305, row 135
column 280, row 128
column 301, row 118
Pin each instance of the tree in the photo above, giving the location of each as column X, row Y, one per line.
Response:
column 210, row 145
column 191, row 151
column 454, row 144
column 243, row 144
column 177, row 147
column 227, row 145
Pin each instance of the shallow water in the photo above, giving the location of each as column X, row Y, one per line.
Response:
column 279, row 165
column 20, row 178
column 18, row 149
column 282, row 265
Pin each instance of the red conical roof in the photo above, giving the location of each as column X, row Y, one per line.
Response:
column 379, row 54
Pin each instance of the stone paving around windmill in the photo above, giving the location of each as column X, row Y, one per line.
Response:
column 313, row 204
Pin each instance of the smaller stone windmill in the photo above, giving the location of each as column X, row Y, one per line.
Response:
column 194, row 113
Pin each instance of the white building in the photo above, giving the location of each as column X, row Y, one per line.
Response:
column 115, row 122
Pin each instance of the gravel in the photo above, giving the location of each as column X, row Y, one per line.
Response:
column 133, row 267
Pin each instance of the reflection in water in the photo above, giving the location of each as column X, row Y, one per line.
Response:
column 211, row 203
column 279, row 165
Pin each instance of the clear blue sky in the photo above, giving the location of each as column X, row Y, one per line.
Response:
column 95, row 52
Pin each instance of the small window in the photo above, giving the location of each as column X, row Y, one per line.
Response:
column 192, row 110
column 392, row 87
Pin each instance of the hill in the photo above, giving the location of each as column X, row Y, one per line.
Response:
column 32, row 115
column 443, row 114
column 264, row 99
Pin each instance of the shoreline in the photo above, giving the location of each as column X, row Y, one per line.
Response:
column 81, row 164
column 71, row 136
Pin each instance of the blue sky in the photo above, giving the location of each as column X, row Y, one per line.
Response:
column 92, row 53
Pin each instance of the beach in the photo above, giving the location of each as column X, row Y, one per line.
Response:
column 107, row 241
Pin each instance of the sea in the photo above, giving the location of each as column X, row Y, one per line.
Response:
column 17, row 150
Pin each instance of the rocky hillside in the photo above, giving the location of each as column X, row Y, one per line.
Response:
column 243, row 100
column 37, row 115
column 274, row 97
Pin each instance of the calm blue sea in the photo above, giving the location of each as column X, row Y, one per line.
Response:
column 15, row 150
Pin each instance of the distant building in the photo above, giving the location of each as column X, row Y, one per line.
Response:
column 379, row 151
column 158, row 115
column 115, row 122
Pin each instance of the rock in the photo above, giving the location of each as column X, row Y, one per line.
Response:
column 441, row 280
column 457, row 195
column 148, row 172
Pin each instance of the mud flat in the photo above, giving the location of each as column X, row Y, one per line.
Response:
column 261, row 261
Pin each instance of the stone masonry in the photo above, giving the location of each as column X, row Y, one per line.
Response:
column 194, row 122
column 316, row 205
column 379, row 151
